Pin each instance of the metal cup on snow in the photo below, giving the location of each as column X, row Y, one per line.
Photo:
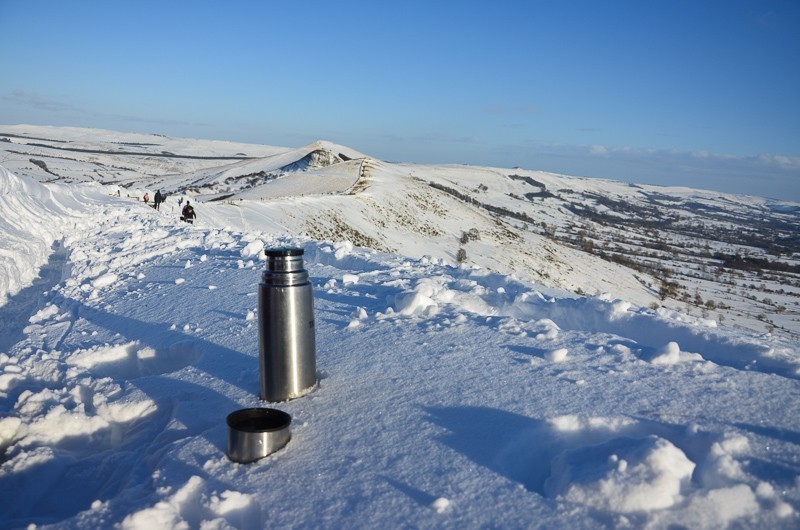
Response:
column 287, row 343
column 257, row 432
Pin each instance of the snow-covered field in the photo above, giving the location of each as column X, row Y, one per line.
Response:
column 448, row 396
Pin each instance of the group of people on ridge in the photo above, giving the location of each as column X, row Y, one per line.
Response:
column 157, row 200
column 187, row 213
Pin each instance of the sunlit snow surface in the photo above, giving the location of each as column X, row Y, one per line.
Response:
column 448, row 397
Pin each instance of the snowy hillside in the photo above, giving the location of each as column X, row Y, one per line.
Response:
column 729, row 258
column 454, row 396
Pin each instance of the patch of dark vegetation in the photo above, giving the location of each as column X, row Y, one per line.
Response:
column 528, row 180
column 541, row 194
column 703, row 208
column 26, row 137
column 221, row 197
column 251, row 180
column 538, row 195
column 753, row 264
column 659, row 198
column 43, row 166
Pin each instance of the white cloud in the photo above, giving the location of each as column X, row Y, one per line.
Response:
column 24, row 98
column 785, row 162
column 21, row 97
column 766, row 175
column 598, row 150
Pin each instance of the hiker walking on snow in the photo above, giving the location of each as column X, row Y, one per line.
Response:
column 146, row 197
column 158, row 199
column 188, row 213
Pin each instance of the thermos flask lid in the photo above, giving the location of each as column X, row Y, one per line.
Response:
column 284, row 260
column 257, row 432
column 283, row 252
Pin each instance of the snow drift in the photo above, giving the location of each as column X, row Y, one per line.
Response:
column 33, row 217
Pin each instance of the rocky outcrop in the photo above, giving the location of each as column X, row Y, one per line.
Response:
column 313, row 160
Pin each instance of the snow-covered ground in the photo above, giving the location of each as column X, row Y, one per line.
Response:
column 448, row 396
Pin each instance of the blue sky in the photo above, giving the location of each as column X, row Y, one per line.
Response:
column 700, row 93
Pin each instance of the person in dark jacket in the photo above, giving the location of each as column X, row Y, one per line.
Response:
column 159, row 198
column 188, row 213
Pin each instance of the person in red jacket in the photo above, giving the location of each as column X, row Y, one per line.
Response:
column 188, row 213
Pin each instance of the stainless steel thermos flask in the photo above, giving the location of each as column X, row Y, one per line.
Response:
column 287, row 343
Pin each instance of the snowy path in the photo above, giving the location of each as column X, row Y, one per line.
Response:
column 447, row 397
